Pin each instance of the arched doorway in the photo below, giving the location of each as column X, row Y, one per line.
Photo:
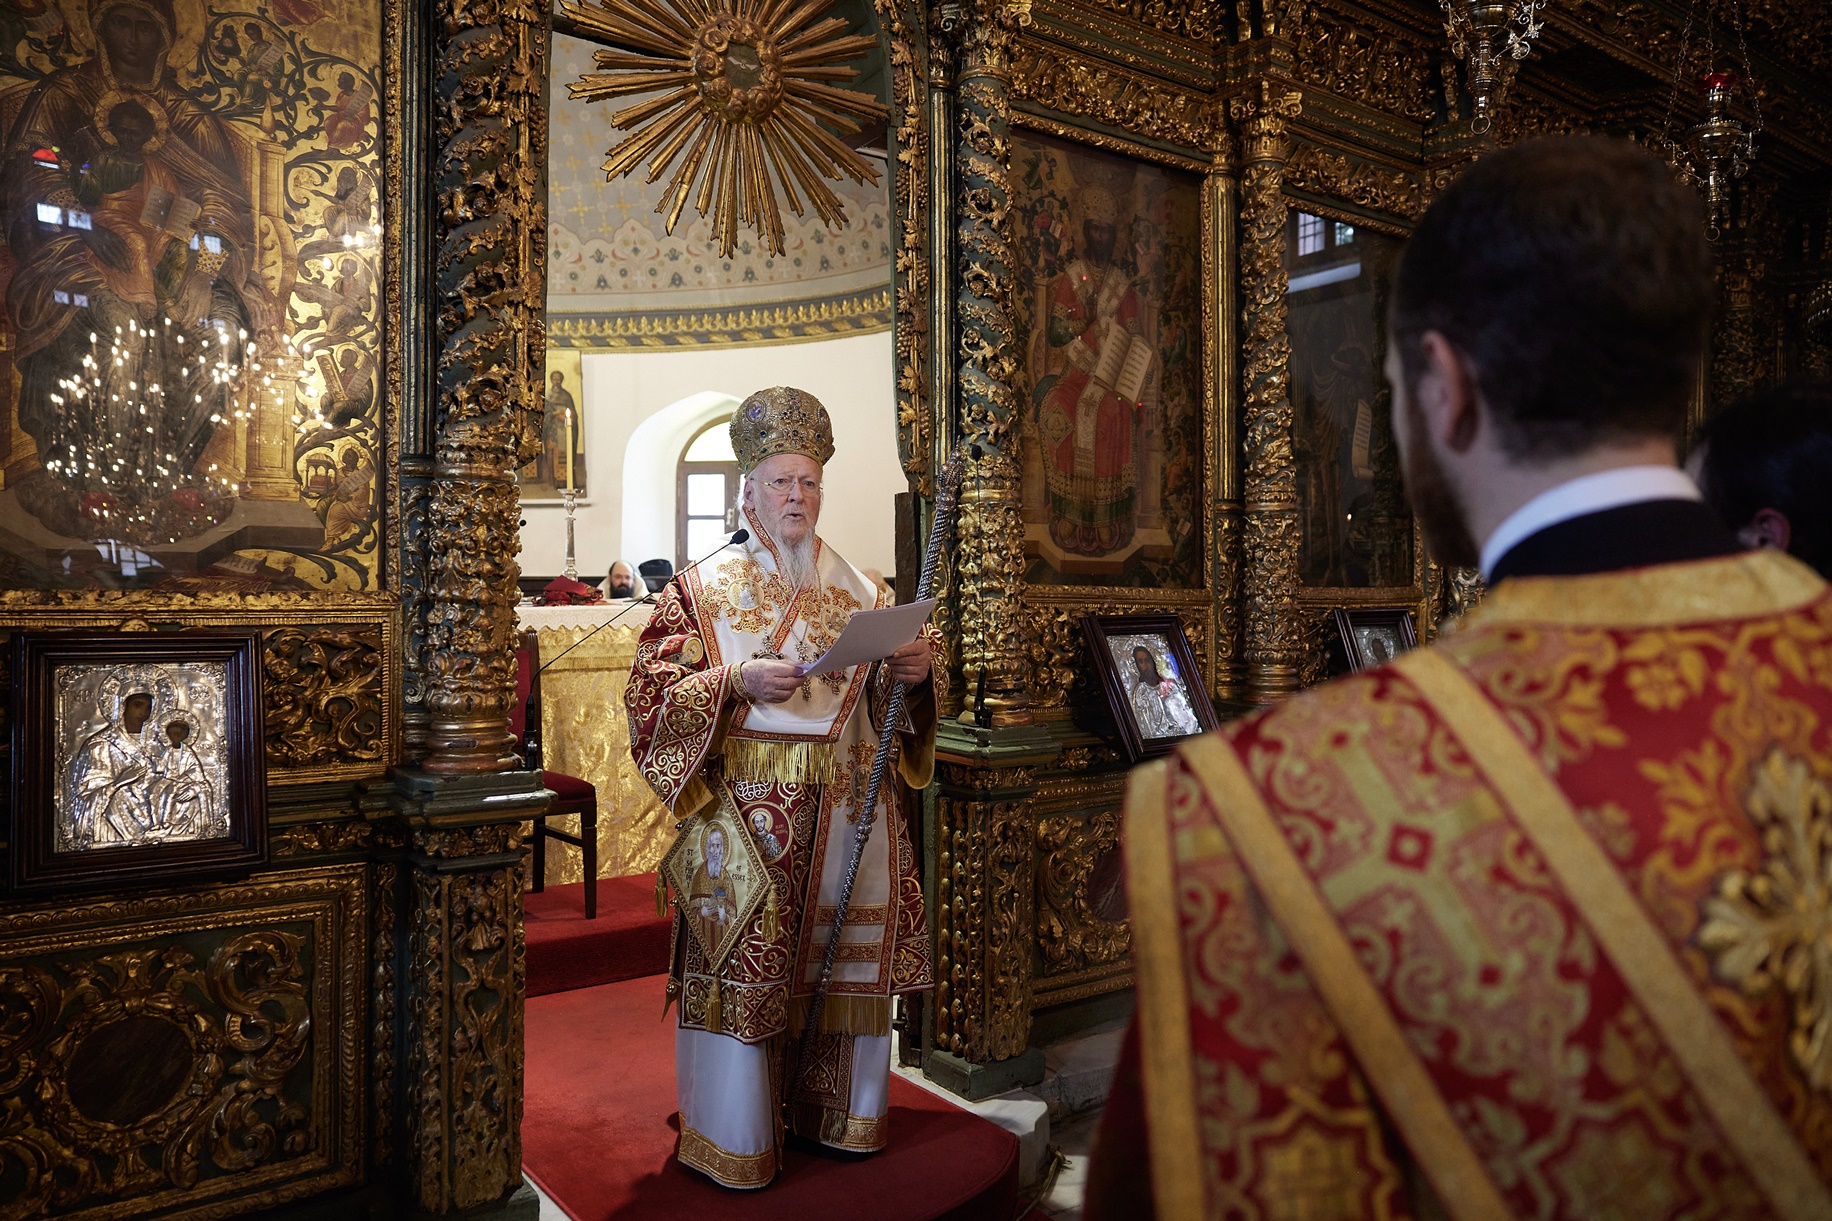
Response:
column 706, row 493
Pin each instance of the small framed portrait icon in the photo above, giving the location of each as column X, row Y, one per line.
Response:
column 1374, row 635
column 138, row 758
column 1154, row 692
column 718, row 877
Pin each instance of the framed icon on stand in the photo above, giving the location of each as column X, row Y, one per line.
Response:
column 1154, row 692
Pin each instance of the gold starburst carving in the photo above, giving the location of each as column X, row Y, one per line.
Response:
column 1774, row 926
column 742, row 100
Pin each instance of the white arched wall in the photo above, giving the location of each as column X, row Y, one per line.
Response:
column 641, row 408
column 648, row 470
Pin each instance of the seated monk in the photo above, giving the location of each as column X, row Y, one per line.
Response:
column 1532, row 922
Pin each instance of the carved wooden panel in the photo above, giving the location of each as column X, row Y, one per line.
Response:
column 192, row 1051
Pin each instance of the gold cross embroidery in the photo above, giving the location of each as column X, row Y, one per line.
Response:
column 1416, row 859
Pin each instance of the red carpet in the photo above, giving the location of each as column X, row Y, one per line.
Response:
column 566, row 951
column 599, row 1132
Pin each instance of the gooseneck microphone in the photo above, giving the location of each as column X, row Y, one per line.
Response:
column 741, row 536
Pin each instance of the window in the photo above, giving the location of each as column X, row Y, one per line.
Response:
column 1320, row 252
column 50, row 214
column 706, row 489
column 1310, row 234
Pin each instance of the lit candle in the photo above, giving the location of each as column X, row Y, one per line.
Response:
column 569, row 447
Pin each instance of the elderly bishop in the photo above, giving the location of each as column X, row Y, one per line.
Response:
column 721, row 720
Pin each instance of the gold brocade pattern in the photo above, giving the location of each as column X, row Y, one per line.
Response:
column 585, row 733
column 1559, row 1030
column 1775, row 924
column 743, row 1170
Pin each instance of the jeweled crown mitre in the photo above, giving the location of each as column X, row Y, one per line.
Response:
column 780, row 420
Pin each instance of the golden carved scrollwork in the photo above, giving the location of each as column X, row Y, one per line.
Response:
column 989, row 556
column 1197, row 20
column 383, row 1009
column 464, row 1046
column 1370, row 66
column 984, row 913
column 914, row 267
column 1271, row 529
column 338, row 835
column 1075, row 929
column 324, row 695
column 489, row 268
column 1355, row 180
column 240, row 1015
column 1047, row 76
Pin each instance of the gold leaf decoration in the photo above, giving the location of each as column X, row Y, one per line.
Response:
column 742, row 99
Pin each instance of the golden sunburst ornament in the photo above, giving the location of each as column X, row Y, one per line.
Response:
column 744, row 96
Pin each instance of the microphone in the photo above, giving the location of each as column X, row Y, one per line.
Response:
column 741, row 536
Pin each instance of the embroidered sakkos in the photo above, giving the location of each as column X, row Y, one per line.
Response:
column 788, row 770
column 1665, row 734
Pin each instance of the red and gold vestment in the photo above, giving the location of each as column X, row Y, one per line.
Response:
column 796, row 774
column 1533, row 923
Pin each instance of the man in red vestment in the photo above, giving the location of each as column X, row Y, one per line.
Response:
column 1099, row 365
column 1533, row 922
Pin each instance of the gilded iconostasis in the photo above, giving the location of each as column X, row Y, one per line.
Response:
column 192, row 327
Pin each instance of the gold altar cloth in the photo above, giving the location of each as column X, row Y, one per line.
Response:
column 585, row 733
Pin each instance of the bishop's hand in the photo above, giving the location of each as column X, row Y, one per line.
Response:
column 910, row 664
column 770, row 682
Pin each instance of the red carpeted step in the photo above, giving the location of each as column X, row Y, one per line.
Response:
column 599, row 1132
column 566, row 951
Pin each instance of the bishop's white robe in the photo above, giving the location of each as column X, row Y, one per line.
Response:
column 796, row 773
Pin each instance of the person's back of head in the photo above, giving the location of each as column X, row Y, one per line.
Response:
column 1766, row 467
column 655, row 573
column 1566, row 284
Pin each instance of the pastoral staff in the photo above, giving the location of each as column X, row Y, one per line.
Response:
column 720, row 714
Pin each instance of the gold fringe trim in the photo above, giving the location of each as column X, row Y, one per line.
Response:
column 661, row 894
column 714, row 1009
column 779, row 762
column 844, row 1014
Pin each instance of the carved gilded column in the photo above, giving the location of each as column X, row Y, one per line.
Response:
column 1270, row 526
column 984, row 899
column 461, row 967
column 989, row 557
column 489, row 168
column 1220, row 358
column 466, row 979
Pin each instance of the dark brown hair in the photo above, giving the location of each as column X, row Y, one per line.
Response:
column 1574, row 273
column 1775, row 452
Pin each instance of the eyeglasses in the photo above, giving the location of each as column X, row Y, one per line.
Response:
column 809, row 487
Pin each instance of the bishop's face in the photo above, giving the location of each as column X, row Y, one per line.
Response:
column 785, row 493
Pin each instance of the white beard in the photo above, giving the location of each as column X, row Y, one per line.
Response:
column 797, row 561
column 794, row 561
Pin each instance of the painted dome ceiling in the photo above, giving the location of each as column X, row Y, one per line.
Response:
column 615, row 278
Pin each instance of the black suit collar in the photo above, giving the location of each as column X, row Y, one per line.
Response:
column 1628, row 536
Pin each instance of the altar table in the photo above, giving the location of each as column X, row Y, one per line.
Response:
column 585, row 733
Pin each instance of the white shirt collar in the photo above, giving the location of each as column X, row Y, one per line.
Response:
column 1611, row 489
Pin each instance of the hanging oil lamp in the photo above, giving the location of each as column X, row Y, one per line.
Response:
column 1490, row 37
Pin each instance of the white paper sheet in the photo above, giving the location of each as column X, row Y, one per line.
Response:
column 872, row 636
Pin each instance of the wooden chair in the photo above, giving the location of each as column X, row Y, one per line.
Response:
column 571, row 795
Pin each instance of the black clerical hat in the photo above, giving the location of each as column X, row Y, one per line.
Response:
column 655, row 574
